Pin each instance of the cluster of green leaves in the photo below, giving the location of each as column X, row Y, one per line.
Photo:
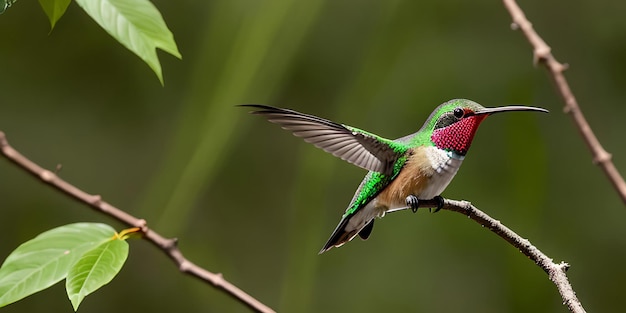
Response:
column 86, row 255
column 136, row 24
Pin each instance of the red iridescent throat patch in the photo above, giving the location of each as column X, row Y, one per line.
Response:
column 458, row 136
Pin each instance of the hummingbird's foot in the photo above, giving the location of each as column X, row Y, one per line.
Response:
column 412, row 202
column 439, row 200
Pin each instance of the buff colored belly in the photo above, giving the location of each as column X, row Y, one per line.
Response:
column 426, row 174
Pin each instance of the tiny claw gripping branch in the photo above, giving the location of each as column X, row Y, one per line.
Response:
column 412, row 202
column 440, row 203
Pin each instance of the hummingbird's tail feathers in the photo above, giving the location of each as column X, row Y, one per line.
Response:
column 340, row 236
column 356, row 146
column 338, row 239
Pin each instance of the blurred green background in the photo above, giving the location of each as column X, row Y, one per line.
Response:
column 255, row 203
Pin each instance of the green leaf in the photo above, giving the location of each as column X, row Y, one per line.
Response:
column 136, row 24
column 54, row 9
column 95, row 269
column 46, row 259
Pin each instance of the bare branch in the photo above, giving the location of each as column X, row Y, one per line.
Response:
column 168, row 246
column 556, row 272
column 542, row 54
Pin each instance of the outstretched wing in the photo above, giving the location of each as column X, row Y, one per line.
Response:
column 348, row 143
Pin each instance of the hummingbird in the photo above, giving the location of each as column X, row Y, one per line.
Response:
column 402, row 172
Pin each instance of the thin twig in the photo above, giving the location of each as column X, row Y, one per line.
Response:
column 168, row 246
column 542, row 54
column 556, row 272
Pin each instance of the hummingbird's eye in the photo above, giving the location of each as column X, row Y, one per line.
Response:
column 458, row 112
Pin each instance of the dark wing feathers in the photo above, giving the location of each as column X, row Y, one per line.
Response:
column 364, row 150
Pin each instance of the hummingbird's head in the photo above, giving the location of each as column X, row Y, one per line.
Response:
column 452, row 125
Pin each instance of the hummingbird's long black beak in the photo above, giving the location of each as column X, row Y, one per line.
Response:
column 509, row 109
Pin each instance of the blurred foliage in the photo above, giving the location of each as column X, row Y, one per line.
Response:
column 251, row 201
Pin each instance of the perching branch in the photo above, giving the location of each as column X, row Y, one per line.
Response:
column 168, row 246
column 556, row 272
column 542, row 54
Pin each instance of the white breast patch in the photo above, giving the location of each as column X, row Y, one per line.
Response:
column 445, row 164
